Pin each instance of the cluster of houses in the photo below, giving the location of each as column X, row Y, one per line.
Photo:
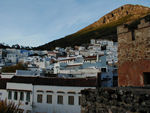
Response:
column 54, row 79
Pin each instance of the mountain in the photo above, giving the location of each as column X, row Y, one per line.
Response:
column 104, row 28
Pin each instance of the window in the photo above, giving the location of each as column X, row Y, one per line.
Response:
column 60, row 99
column 103, row 69
column 146, row 78
column 28, row 96
column 15, row 95
column 115, row 80
column 49, row 99
column 21, row 96
column 103, row 47
column 9, row 95
column 133, row 35
column 39, row 98
column 71, row 100
column 79, row 100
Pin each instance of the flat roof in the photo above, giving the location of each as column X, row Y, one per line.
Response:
column 55, row 81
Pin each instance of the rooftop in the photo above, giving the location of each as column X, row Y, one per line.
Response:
column 55, row 81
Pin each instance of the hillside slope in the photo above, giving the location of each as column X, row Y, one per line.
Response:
column 104, row 28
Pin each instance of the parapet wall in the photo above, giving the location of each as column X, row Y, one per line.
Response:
column 116, row 100
column 134, row 45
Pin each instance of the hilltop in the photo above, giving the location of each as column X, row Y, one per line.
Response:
column 104, row 28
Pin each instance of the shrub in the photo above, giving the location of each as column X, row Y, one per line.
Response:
column 14, row 68
column 8, row 107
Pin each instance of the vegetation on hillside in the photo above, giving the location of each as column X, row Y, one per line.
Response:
column 4, row 46
column 106, row 31
column 130, row 14
column 12, row 69
column 100, row 29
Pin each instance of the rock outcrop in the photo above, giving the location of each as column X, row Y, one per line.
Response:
column 134, row 11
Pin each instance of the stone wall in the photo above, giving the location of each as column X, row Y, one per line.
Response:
column 116, row 100
column 133, row 54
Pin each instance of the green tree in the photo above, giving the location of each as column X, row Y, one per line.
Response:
column 19, row 66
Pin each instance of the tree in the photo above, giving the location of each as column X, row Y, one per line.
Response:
column 16, row 46
column 19, row 66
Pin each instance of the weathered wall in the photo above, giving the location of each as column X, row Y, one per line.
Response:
column 133, row 54
column 116, row 100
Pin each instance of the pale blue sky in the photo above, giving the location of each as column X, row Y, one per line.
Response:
column 36, row 22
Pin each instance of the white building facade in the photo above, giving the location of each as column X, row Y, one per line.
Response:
column 47, row 95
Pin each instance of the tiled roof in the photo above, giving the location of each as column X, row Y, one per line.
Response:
column 53, row 81
column 90, row 58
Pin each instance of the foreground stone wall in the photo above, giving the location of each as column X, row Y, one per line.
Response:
column 133, row 54
column 116, row 100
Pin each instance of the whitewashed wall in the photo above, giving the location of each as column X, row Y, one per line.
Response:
column 3, row 94
column 44, row 107
column 20, row 87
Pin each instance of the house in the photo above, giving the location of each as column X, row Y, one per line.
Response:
column 2, row 53
column 13, row 58
column 47, row 95
column 3, row 92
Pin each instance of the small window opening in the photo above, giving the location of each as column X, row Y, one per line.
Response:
column 103, row 69
column 146, row 78
column 133, row 35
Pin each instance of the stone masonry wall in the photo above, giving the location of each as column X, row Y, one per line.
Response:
column 133, row 54
column 116, row 100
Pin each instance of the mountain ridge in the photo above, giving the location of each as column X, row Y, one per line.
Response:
column 104, row 28
column 114, row 15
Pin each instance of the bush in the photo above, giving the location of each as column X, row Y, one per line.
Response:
column 8, row 107
column 14, row 68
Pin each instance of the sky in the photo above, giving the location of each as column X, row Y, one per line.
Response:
column 36, row 22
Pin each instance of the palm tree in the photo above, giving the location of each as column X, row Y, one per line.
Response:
column 8, row 107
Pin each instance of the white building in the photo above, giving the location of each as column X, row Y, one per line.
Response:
column 7, row 75
column 12, row 57
column 3, row 92
column 1, row 52
column 47, row 95
column 93, row 41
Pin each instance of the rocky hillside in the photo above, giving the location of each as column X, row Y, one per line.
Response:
column 133, row 11
column 104, row 28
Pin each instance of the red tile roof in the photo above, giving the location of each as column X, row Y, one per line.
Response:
column 91, row 58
